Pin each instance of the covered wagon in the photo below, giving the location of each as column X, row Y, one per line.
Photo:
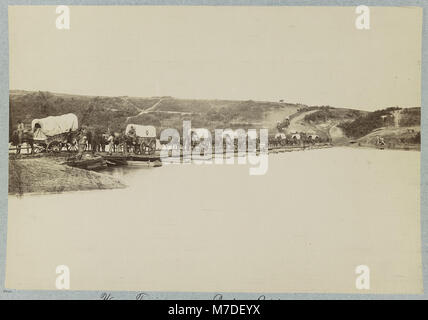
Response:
column 296, row 138
column 54, row 132
column 142, row 138
column 313, row 138
column 201, row 137
column 280, row 139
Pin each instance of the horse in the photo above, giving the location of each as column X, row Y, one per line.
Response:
column 90, row 138
column 98, row 142
column 129, row 143
column 118, row 140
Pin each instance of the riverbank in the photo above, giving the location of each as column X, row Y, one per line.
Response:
column 395, row 138
column 387, row 146
column 47, row 174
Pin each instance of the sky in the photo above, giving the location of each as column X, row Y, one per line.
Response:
column 309, row 55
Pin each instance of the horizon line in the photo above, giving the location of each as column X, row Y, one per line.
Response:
column 204, row 99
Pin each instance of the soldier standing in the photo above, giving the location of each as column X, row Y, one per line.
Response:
column 82, row 143
column 20, row 132
column 110, row 141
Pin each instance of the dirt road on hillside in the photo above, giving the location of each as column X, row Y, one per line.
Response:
column 337, row 136
column 297, row 123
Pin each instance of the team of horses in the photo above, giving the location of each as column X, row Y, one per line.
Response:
column 68, row 140
column 98, row 140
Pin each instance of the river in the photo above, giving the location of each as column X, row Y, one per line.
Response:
column 302, row 227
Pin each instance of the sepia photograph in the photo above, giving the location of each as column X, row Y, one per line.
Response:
column 220, row 150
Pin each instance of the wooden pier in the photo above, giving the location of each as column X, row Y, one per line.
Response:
column 119, row 157
column 100, row 160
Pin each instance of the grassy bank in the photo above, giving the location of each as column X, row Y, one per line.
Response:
column 47, row 174
column 402, row 138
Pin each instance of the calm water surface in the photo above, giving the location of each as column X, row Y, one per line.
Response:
column 302, row 227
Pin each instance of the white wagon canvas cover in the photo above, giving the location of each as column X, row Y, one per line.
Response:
column 142, row 131
column 53, row 125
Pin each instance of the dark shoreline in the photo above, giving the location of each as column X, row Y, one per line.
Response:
column 48, row 175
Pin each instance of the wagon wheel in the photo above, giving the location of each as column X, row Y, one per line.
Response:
column 72, row 146
column 138, row 148
column 141, row 148
column 152, row 147
column 38, row 148
column 55, row 146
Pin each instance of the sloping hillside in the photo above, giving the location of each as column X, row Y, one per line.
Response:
column 92, row 111
column 394, row 137
column 162, row 112
column 324, row 121
column 398, row 127
column 339, row 125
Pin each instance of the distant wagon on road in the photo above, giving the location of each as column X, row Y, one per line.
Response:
column 313, row 138
column 55, row 132
column 296, row 138
column 280, row 139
